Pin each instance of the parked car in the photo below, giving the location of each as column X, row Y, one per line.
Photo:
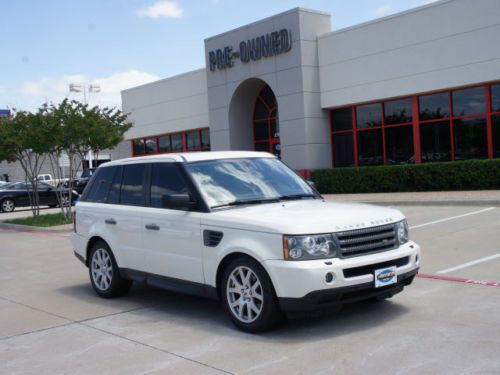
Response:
column 241, row 227
column 80, row 182
column 17, row 195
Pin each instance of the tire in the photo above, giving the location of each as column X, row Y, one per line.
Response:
column 7, row 205
column 104, row 273
column 248, row 296
column 65, row 201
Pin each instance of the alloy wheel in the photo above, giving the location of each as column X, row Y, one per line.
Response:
column 244, row 294
column 102, row 269
column 7, row 205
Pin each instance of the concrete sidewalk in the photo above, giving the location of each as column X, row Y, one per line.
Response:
column 428, row 198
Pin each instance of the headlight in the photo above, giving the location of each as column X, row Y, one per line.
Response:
column 309, row 247
column 402, row 232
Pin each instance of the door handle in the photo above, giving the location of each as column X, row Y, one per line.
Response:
column 110, row 221
column 152, row 227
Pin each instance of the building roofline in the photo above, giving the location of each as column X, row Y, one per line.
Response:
column 177, row 76
column 385, row 18
column 293, row 10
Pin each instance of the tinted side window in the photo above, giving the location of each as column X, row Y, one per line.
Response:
column 101, row 184
column 132, row 188
column 114, row 190
column 166, row 179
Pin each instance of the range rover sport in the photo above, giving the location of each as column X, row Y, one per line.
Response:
column 241, row 227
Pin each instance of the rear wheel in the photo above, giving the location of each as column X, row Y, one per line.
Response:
column 8, row 205
column 104, row 272
column 249, row 296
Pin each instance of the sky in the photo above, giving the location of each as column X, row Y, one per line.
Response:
column 118, row 44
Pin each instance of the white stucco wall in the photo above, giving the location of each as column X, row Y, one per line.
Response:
column 294, row 78
column 172, row 104
column 442, row 45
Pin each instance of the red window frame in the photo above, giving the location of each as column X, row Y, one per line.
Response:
column 169, row 135
column 272, row 140
column 416, row 122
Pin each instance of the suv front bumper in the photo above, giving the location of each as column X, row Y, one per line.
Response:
column 303, row 283
column 330, row 298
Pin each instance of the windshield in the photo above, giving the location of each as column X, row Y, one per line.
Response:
column 253, row 180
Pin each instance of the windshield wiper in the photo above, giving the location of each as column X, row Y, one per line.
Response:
column 240, row 202
column 296, row 196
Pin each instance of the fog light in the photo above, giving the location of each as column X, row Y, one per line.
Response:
column 329, row 278
column 416, row 259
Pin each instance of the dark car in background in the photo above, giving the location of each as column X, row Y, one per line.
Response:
column 16, row 194
column 80, row 183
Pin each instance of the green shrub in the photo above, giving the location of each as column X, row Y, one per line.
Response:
column 458, row 175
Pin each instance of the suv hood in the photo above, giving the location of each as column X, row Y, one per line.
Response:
column 303, row 217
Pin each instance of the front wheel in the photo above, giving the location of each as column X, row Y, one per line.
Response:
column 249, row 296
column 104, row 272
column 8, row 205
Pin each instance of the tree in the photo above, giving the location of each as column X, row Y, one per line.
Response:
column 70, row 129
column 78, row 129
column 25, row 137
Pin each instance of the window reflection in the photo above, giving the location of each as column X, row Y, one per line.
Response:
column 469, row 101
column 369, row 116
column 470, row 138
column 370, row 151
column 434, row 106
column 399, row 145
column 435, row 142
column 397, row 111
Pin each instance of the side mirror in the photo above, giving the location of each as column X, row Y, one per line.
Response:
column 178, row 201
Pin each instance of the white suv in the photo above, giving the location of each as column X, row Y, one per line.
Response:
column 241, row 227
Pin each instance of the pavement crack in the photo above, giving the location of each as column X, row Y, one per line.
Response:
column 83, row 322
column 158, row 349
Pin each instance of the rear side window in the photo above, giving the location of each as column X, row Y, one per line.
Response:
column 114, row 190
column 132, row 185
column 166, row 179
column 100, row 187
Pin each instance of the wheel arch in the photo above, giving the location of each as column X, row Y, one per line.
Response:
column 226, row 260
column 93, row 240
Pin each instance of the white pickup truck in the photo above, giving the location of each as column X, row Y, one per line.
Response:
column 47, row 178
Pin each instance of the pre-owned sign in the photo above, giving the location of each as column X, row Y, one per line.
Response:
column 254, row 49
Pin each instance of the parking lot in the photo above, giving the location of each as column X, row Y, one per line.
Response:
column 448, row 321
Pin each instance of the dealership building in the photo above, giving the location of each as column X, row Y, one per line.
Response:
column 415, row 87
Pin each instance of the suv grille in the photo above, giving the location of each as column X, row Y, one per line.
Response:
column 368, row 240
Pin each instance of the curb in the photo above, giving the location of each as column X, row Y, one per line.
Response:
column 27, row 228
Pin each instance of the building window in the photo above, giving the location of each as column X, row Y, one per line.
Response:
column 397, row 112
column 190, row 140
column 435, row 141
column 399, row 145
column 450, row 125
column 495, row 124
column 343, row 149
column 495, row 98
column 151, row 146
column 138, row 147
column 266, row 123
column 164, row 144
column 469, row 102
column 470, row 138
column 370, row 148
column 369, row 116
column 434, row 106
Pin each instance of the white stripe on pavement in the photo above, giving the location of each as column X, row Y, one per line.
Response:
column 452, row 218
column 468, row 264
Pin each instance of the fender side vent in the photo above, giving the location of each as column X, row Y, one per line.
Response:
column 212, row 238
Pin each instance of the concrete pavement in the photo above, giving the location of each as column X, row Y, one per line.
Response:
column 52, row 322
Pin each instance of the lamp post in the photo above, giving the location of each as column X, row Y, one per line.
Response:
column 91, row 89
